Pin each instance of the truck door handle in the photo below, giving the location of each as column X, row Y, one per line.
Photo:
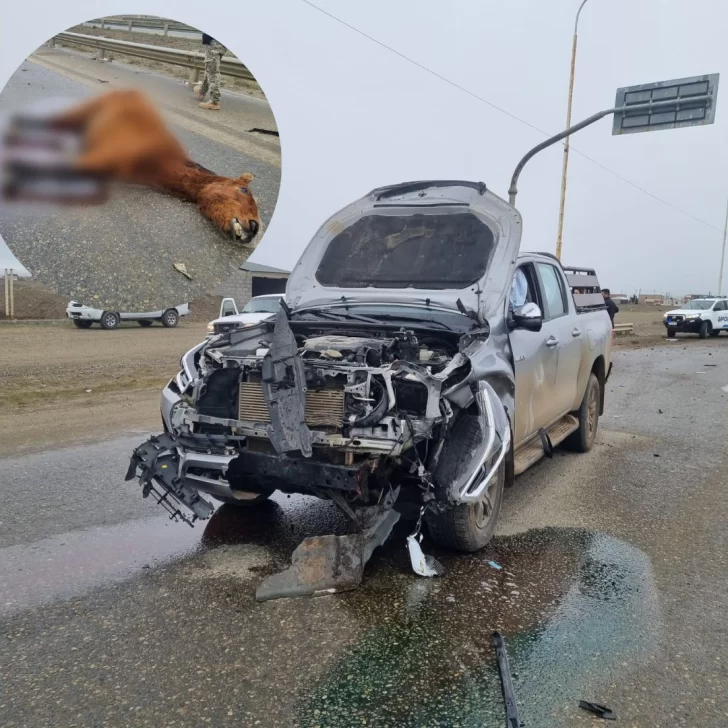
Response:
column 552, row 341
column 576, row 333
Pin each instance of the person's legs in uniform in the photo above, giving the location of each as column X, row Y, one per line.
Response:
column 202, row 88
column 212, row 75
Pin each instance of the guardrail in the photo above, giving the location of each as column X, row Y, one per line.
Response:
column 194, row 60
column 623, row 328
column 131, row 21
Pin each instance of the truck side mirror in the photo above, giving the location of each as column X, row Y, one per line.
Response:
column 528, row 317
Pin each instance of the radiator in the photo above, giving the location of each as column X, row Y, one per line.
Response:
column 323, row 408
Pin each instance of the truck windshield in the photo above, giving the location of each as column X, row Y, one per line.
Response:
column 429, row 251
column 698, row 305
column 262, row 305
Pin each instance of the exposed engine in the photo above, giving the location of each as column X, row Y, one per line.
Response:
column 367, row 398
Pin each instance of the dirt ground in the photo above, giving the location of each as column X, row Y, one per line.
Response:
column 61, row 385
column 188, row 44
column 648, row 326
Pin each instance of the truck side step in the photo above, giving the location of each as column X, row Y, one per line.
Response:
column 533, row 450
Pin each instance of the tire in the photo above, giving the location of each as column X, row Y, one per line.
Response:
column 588, row 414
column 110, row 320
column 145, row 324
column 466, row 527
column 705, row 329
column 671, row 334
column 247, row 503
column 80, row 324
column 170, row 318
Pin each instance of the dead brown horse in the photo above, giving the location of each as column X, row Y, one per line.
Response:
column 126, row 139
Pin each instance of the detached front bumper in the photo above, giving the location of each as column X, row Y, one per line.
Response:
column 177, row 476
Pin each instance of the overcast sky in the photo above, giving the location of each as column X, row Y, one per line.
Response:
column 388, row 121
column 516, row 55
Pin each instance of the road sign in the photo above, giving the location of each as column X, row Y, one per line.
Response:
column 677, row 103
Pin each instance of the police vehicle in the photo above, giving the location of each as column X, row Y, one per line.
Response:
column 702, row 316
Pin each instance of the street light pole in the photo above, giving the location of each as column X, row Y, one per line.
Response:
column 722, row 254
column 564, row 168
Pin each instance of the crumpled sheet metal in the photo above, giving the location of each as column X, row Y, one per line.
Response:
column 328, row 564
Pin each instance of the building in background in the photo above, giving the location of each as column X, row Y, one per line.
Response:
column 654, row 299
column 254, row 279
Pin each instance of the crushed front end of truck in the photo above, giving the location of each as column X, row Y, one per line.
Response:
column 370, row 403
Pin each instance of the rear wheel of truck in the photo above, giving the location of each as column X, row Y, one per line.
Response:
column 582, row 440
column 704, row 330
column 144, row 323
column 110, row 320
column 467, row 526
column 671, row 334
column 170, row 318
column 80, row 324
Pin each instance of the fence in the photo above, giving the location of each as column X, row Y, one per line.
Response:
column 136, row 21
column 194, row 60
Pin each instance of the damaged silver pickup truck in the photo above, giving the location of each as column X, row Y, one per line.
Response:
column 418, row 358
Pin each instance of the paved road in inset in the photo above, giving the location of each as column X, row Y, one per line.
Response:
column 120, row 255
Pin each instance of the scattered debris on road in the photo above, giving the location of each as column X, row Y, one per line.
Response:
column 509, row 695
column 328, row 564
column 182, row 268
column 599, row 710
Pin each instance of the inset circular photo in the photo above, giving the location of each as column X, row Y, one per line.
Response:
column 139, row 161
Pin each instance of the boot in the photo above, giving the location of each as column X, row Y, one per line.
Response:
column 210, row 106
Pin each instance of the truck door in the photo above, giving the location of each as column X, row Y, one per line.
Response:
column 535, row 361
column 567, row 330
column 720, row 315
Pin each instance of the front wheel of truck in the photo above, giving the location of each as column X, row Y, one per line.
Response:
column 254, row 499
column 582, row 440
column 467, row 526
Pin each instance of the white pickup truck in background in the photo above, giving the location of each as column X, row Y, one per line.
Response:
column 257, row 309
column 702, row 316
column 84, row 317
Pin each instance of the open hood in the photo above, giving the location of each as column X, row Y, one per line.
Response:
column 416, row 242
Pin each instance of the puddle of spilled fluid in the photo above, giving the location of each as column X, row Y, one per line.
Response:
column 573, row 606
column 72, row 563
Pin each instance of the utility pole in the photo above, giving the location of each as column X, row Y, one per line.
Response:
column 722, row 254
column 562, row 203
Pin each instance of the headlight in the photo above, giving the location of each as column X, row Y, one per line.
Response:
column 210, row 328
column 692, row 316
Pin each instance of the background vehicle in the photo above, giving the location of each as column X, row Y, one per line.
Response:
column 84, row 317
column 257, row 309
column 702, row 316
column 418, row 357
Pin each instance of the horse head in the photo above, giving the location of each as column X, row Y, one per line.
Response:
column 230, row 204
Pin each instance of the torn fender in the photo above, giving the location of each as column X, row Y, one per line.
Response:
column 491, row 450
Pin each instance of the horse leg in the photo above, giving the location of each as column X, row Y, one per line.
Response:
column 78, row 117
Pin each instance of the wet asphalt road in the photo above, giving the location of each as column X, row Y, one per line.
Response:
column 120, row 255
column 614, row 589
